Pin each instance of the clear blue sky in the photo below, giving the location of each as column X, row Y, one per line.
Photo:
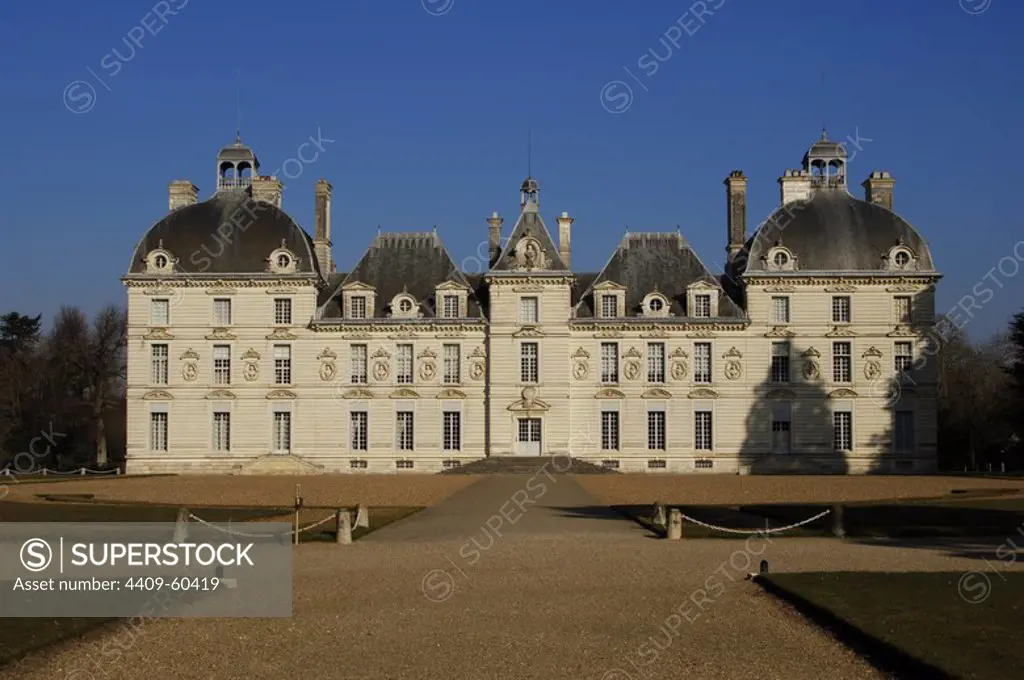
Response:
column 429, row 113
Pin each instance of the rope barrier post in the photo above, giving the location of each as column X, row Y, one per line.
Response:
column 181, row 526
column 298, row 504
column 658, row 519
column 343, row 526
column 44, row 472
column 838, row 530
column 675, row 525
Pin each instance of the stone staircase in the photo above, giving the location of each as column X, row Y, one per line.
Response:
column 521, row 465
column 278, row 464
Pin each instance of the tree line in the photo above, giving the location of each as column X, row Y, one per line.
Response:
column 62, row 394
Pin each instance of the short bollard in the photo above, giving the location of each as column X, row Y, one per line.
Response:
column 659, row 515
column 181, row 526
column 343, row 526
column 363, row 517
column 675, row 525
column 838, row 530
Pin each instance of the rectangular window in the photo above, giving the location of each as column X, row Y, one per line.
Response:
column 359, row 429
column 782, row 419
column 450, row 306
column 528, row 368
column 702, row 431
column 780, row 362
column 158, row 355
column 222, row 311
column 656, row 362
column 902, row 309
column 222, row 364
column 609, row 306
column 903, row 357
column 221, row 431
column 842, row 362
column 655, row 430
column 282, row 311
column 403, row 364
column 282, row 364
column 842, row 430
column 158, row 431
column 780, row 310
column 702, row 306
column 452, row 434
column 452, row 365
column 841, row 309
column 358, row 364
column 357, row 307
column 282, row 442
column 609, row 362
column 609, row 430
column 702, row 362
column 160, row 312
column 404, row 430
column 529, row 310
column 903, row 432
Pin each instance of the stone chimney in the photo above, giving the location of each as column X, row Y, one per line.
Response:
column 267, row 189
column 736, row 220
column 795, row 186
column 322, row 237
column 181, row 192
column 494, row 223
column 878, row 189
column 564, row 234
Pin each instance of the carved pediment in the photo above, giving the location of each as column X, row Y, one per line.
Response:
column 609, row 285
column 656, row 332
column 580, row 353
column 281, row 394
column 357, row 336
column 282, row 334
column 733, row 353
column 161, row 395
column 702, row 393
column 357, row 286
column 221, row 288
column 282, row 290
column 221, row 334
column 656, row 393
column 478, row 353
column 841, row 289
column 427, row 354
column 451, row 393
column 221, row 394
column 702, row 285
column 190, row 355
column 780, row 393
column 357, row 393
column 528, row 332
column 528, row 289
column 608, row 333
column 840, row 332
column 529, row 402
column 780, row 332
column 901, row 331
column 158, row 334
column 679, row 353
column 841, row 393
column 404, row 334
column 780, row 289
column 701, row 333
column 405, row 393
column 633, row 353
column 872, row 352
column 160, row 291
column 326, row 354
column 903, row 288
column 451, row 285
column 810, row 352
column 610, row 393
column 251, row 355
column 380, row 353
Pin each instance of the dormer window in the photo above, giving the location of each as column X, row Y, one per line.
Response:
column 655, row 304
column 702, row 305
column 609, row 306
column 160, row 261
column 781, row 259
column 450, row 306
column 702, row 300
column 282, row 261
column 451, row 300
column 404, row 306
column 900, row 257
column 357, row 307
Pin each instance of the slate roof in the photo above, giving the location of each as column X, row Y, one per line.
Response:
column 662, row 261
column 529, row 224
column 251, row 231
column 396, row 262
column 835, row 232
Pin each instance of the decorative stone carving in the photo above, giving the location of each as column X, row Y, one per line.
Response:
column 733, row 353
column 901, row 331
column 251, row 372
column 327, row 371
column 581, row 353
column 656, row 332
column 251, row 355
column 405, row 393
column 529, row 255
column 633, row 353
column 282, row 334
column 872, row 369
column 427, row 370
column 190, row 355
column 221, row 394
column 427, row 354
column 779, row 332
column 380, row 353
column 811, row 370
column 872, row 352
column 841, row 393
column 326, row 353
column 158, row 334
column 702, row 393
column 190, row 371
column 381, row 371
column 733, row 370
column 608, row 333
column 580, row 370
column 451, row 393
column 840, row 332
column 478, row 353
column 610, row 393
column 701, row 333
column 841, row 289
column 529, row 401
column 810, row 352
column 679, row 369
column 281, row 394
column 160, row 395
column 632, row 370
column 528, row 332
column 357, row 393
column 221, row 334
column 656, row 393
column 476, row 370
column 780, row 289
column 680, row 353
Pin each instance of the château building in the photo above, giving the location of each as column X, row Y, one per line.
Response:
column 250, row 353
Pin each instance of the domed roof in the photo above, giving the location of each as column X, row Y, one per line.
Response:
column 836, row 232
column 228, row 234
column 530, row 184
column 236, row 152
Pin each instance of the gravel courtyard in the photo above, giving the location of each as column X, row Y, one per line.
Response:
column 503, row 581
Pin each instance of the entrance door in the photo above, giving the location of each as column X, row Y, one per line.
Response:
column 528, row 437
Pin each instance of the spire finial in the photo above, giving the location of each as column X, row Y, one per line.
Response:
column 238, row 107
column 529, row 151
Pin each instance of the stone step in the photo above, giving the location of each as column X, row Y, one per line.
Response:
column 521, row 465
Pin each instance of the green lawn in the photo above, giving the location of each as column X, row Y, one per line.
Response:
column 924, row 615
